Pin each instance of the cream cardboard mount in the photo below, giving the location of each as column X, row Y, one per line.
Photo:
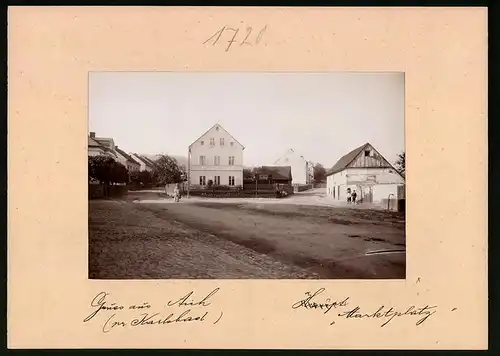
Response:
column 442, row 303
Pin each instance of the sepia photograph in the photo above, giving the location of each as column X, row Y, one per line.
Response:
column 246, row 175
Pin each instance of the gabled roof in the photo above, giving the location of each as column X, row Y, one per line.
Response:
column 279, row 172
column 102, row 140
column 126, row 155
column 94, row 143
column 347, row 159
column 217, row 124
column 149, row 160
column 291, row 150
column 344, row 161
column 144, row 160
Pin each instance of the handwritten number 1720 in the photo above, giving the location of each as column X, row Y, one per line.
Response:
column 246, row 40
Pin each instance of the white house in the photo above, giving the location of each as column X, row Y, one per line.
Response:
column 131, row 164
column 217, row 156
column 302, row 169
column 145, row 164
column 98, row 146
column 367, row 172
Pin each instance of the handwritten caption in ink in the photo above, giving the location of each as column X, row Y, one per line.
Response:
column 185, row 309
column 386, row 314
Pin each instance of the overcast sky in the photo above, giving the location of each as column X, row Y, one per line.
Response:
column 320, row 115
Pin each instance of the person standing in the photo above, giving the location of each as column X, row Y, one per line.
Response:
column 176, row 193
column 348, row 195
column 353, row 197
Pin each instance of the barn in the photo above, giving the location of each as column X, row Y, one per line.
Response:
column 367, row 172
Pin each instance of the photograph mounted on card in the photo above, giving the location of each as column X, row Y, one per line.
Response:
column 207, row 178
column 249, row 189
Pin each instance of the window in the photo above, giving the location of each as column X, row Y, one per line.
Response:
column 231, row 180
column 367, row 153
column 232, row 144
column 217, row 160
column 217, row 180
column 202, row 160
column 222, row 141
column 217, row 128
column 231, row 160
column 202, row 143
column 202, row 180
column 212, row 141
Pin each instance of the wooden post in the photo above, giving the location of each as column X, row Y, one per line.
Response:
column 189, row 171
column 256, row 184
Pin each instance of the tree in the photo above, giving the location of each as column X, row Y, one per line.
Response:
column 142, row 178
column 400, row 163
column 119, row 173
column 319, row 173
column 249, row 172
column 107, row 171
column 167, row 171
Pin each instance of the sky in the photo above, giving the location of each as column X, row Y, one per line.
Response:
column 322, row 116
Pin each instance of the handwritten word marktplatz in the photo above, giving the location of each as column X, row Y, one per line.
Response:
column 387, row 314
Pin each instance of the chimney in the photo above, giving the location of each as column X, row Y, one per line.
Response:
column 92, row 134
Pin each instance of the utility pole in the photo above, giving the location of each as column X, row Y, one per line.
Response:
column 189, row 171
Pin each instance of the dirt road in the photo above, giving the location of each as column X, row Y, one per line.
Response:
column 242, row 240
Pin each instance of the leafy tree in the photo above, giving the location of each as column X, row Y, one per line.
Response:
column 166, row 171
column 400, row 163
column 107, row 171
column 141, row 178
column 250, row 172
column 319, row 173
column 119, row 173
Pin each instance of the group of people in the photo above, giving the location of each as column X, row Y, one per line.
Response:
column 351, row 196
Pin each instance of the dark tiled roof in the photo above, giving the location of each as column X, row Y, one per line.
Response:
column 94, row 143
column 126, row 155
column 144, row 160
column 150, row 161
column 279, row 172
column 344, row 161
